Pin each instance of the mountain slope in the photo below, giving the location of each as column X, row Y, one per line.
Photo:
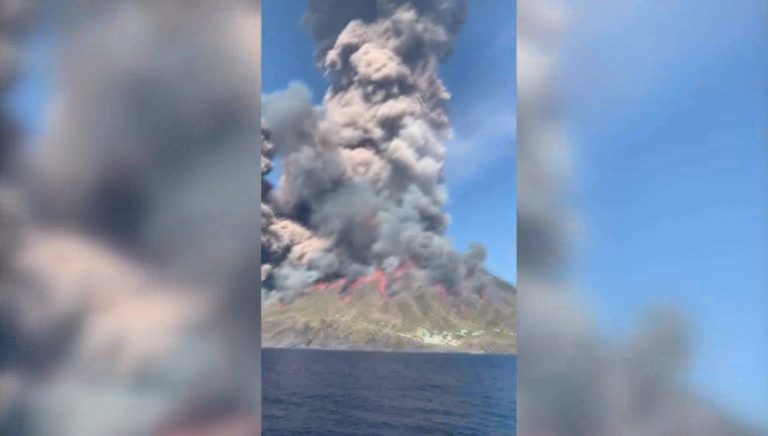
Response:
column 418, row 317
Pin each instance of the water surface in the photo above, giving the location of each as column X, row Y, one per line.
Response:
column 317, row 392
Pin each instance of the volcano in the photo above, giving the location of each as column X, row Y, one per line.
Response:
column 393, row 312
column 354, row 250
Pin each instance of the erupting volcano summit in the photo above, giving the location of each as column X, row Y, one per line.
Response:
column 353, row 247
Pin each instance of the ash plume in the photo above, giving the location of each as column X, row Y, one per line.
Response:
column 14, row 19
column 327, row 19
column 170, row 140
column 361, row 185
column 130, row 302
column 570, row 381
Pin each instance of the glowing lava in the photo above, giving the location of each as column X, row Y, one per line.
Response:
column 405, row 268
column 322, row 287
column 378, row 277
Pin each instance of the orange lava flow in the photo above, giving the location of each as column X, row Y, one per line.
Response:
column 406, row 267
column 381, row 278
column 378, row 277
column 340, row 283
column 322, row 287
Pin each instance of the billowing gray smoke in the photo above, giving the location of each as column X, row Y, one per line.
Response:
column 130, row 304
column 14, row 20
column 13, row 16
column 157, row 189
column 361, row 184
column 571, row 383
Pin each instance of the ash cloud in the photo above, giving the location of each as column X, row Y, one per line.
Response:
column 327, row 19
column 130, row 300
column 170, row 141
column 14, row 21
column 570, row 381
column 361, row 185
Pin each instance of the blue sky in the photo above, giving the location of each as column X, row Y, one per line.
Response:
column 668, row 111
column 31, row 93
column 480, row 161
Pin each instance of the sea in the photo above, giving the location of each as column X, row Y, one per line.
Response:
column 323, row 392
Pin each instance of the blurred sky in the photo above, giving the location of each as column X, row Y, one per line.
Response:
column 668, row 113
column 480, row 166
column 31, row 94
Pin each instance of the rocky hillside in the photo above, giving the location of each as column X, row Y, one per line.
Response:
column 418, row 318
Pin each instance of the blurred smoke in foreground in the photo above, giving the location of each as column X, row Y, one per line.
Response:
column 129, row 230
column 571, row 382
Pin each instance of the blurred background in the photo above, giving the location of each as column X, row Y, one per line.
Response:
column 129, row 216
column 642, row 217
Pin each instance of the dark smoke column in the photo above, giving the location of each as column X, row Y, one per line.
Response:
column 363, row 173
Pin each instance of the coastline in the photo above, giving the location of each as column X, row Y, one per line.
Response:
column 393, row 351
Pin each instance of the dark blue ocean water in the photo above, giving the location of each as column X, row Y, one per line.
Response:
column 313, row 392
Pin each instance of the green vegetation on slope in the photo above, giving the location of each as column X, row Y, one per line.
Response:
column 415, row 319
